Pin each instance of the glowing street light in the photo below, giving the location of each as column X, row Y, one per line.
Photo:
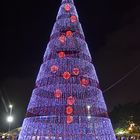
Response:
column 130, row 128
column 10, row 119
column 10, row 106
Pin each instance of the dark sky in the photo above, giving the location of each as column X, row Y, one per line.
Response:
column 112, row 30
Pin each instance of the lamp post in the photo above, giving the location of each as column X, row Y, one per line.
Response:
column 10, row 118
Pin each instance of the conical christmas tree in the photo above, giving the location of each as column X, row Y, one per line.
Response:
column 67, row 103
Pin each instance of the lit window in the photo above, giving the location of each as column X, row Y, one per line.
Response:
column 54, row 68
column 76, row 71
column 73, row 18
column 66, row 75
column 69, row 110
column 61, row 54
column 70, row 100
column 67, row 7
column 62, row 39
column 58, row 93
column 68, row 33
column 69, row 119
column 84, row 82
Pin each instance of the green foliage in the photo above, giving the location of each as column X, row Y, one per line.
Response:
column 123, row 115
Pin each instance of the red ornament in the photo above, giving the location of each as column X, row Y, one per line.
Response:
column 73, row 18
column 69, row 110
column 70, row 100
column 66, row 75
column 54, row 68
column 84, row 82
column 61, row 54
column 69, row 119
column 62, row 39
column 68, row 33
column 58, row 93
column 67, row 7
column 76, row 71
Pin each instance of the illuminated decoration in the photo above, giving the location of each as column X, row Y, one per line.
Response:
column 89, row 117
column 76, row 71
column 121, row 131
column 62, row 38
column 70, row 100
column 73, row 18
column 66, row 75
column 54, row 68
column 131, row 127
column 68, row 33
column 67, row 7
column 67, row 103
column 69, row 110
column 69, row 119
column 88, row 107
column 61, row 54
column 58, row 93
column 84, row 82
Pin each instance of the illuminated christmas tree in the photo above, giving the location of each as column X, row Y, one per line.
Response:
column 67, row 102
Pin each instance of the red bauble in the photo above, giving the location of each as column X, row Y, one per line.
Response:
column 69, row 110
column 54, row 68
column 66, row 75
column 68, row 33
column 62, row 39
column 69, row 119
column 61, row 54
column 73, row 18
column 84, row 82
column 58, row 93
column 76, row 71
column 70, row 100
column 67, row 7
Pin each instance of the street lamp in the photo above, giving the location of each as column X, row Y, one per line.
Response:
column 10, row 106
column 10, row 118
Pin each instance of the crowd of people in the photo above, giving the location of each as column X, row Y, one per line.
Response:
column 117, row 137
column 128, row 137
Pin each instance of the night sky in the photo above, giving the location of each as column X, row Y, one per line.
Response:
column 112, row 30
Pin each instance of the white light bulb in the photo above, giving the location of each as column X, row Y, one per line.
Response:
column 10, row 106
column 89, row 117
column 88, row 107
column 10, row 119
